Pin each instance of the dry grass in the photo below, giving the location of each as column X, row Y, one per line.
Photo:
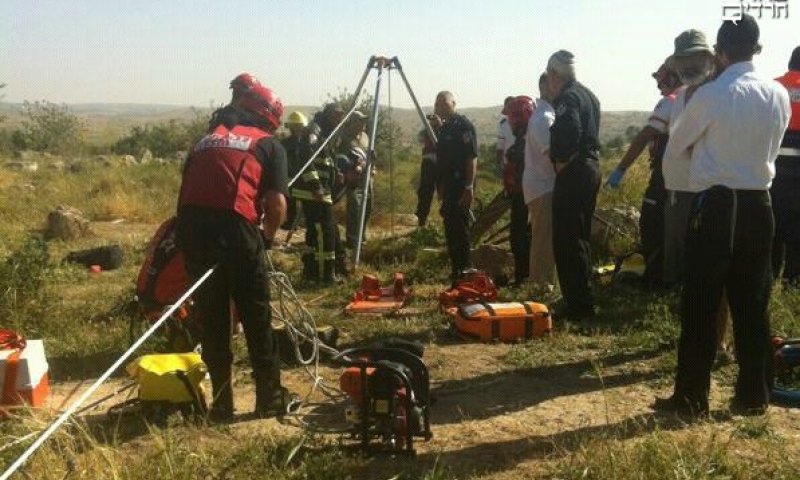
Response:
column 84, row 327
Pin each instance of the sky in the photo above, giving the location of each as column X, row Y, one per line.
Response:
column 182, row 52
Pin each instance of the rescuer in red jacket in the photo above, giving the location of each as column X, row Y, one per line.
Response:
column 785, row 190
column 232, row 200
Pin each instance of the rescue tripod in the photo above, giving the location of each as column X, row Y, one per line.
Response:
column 380, row 64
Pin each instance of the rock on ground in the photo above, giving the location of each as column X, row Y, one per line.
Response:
column 66, row 223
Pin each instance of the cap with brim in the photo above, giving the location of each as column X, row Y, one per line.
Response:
column 360, row 114
column 691, row 42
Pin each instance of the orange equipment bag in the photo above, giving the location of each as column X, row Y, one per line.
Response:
column 23, row 371
column 506, row 322
column 474, row 286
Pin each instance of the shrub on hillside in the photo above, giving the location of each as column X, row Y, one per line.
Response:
column 22, row 275
column 49, row 127
column 163, row 139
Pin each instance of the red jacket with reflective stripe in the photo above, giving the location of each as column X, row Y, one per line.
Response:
column 224, row 172
column 792, row 83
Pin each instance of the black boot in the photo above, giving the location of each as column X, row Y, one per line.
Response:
column 272, row 399
column 329, row 272
column 221, row 410
column 341, row 266
column 310, row 267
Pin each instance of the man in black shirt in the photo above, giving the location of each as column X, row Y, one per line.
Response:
column 457, row 157
column 574, row 150
column 232, row 200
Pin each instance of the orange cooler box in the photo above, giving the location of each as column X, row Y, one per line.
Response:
column 506, row 322
column 31, row 385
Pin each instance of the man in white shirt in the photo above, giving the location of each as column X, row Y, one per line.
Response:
column 537, row 187
column 505, row 137
column 655, row 134
column 732, row 128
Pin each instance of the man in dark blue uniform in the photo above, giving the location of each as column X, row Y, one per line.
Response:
column 574, row 150
column 457, row 157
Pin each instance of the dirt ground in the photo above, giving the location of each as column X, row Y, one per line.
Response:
column 502, row 422
column 489, row 417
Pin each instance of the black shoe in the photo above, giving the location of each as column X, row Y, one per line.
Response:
column 277, row 405
column 573, row 316
column 220, row 416
column 747, row 410
column 681, row 406
column 330, row 274
column 221, row 410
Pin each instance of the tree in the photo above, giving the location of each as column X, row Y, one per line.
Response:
column 51, row 128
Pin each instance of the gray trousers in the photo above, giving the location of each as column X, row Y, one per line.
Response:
column 676, row 222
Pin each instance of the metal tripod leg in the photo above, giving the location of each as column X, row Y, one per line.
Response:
column 421, row 114
column 338, row 127
column 370, row 160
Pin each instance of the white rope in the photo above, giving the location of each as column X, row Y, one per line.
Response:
column 89, row 391
column 300, row 326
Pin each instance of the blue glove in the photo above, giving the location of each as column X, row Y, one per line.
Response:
column 615, row 178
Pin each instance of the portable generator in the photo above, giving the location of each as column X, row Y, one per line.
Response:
column 389, row 391
column 786, row 360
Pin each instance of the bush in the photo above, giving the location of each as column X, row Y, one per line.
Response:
column 163, row 139
column 49, row 128
column 22, row 275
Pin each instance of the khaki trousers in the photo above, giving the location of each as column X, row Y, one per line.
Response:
column 542, row 261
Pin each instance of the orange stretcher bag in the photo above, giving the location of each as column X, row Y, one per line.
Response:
column 505, row 322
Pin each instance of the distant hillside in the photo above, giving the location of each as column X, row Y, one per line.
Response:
column 106, row 122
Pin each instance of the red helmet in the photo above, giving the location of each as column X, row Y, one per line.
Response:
column 242, row 83
column 264, row 104
column 519, row 112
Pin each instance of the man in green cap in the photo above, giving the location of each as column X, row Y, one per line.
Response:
column 693, row 61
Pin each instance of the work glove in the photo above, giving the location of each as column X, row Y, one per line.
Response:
column 615, row 178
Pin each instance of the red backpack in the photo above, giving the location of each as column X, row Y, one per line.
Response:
column 162, row 278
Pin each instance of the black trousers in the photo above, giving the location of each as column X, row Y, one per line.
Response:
column 456, row 232
column 785, row 194
column 728, row 248
column 574, row 200
column 520, row 237
column 427, row 187
column 321, row 233
column 208, row 237
column 651, row 228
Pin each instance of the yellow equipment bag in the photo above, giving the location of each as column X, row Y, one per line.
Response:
column 172, row 377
